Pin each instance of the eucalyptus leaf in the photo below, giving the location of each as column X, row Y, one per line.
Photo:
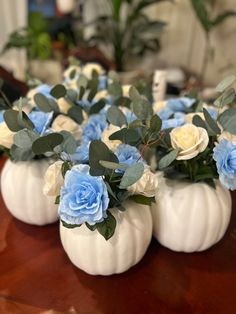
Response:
column 132, row 175
column 25, row 138
column 24, row 121
column 69, row 226
column 168, row 159
column 107, row 227
column 155, row 124
column 69, row 144
column 141, row 199
column 76, row 113
column 82, row 81
column 211, row 123
column 58, row 91
column 116, row 117
column 21, row 154
column 47, row 143
column 42, row 102
column 97, row 107
column 112, row 165
column 228, row 120
column 227, row 82
column 226, row 98
column 11, row 118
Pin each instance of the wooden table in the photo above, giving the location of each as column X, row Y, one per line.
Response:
column 36, row 276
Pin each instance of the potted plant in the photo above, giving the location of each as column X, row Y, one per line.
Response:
column 128, row 30
column 193, row 147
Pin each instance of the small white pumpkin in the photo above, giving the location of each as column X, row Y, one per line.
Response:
column 22, row 191
column 65, row 6
column 89, row 251
column 190, row 217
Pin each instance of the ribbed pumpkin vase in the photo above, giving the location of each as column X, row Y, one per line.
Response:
column 89, row 251
column 22, row 192
column 190, row 217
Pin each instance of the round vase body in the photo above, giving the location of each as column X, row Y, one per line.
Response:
column 22, row 191
column 89, row 251
column 65, row 6
column 190, row 217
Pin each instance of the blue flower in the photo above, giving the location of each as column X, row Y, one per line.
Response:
column 130, row 116
column 41, row 120
column 81, row 155
column 83, row 198
column 165, row 113
column 225, row 157
column 180, row 104
column 128, row 155
column 172, row 123
column 1, row 116
column 102, row 82
column 94, row 127
column 44, row 89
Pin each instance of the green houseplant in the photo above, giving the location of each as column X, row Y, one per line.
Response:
column 127, row 29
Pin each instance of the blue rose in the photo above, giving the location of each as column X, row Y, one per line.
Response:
column 41, row 120
column 128, row 155
column 94, row 127
column 102, row 79
column 1, row 116
column 225, row 157
column 180, row 104
column 44, row 89
column 81, row 156
column 165, row 113
column 172, row 123
column 83, row 198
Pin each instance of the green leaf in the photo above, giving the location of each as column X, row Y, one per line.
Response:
column 58, row 91
column 21, row 154
column 69, row 144
column 141, row 199
column 134, row 94
column 221, row 17
column 47, row 143
column 168, row 159
column 72, row 74
column 115, row 89
column 228, row 120
column 132, row 175
column 90, row 227
column 57, row 200
column 116, row 117
column 25, row 138
column 199, row 122
column 155, row 124
column 42, row 102
column 227, row 82
column 127, row 136
column 69, row 226
column 211, row 123
column 200, row 9
column 76, row 113
column 82, row 81
column 226, row 98
column 24, row 121
column 66, row 166
column 97, row 107
column 11, row 118
column 107, row 227
column 81, row 92
column 112, row 165
column 93, row 86
column 99, row 151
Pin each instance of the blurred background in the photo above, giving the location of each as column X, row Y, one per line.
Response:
column 193, row 39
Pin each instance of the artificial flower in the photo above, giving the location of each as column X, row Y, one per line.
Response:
column 53, row 179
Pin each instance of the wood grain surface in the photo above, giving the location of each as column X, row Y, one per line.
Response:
column 37, row 277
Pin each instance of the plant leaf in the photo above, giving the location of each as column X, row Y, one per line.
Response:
column 25, row 138
column 47, row 143
column 132, row 175
column 58, row 91
column 168, row 159
column 227, row 82
column 116, row 117
column 107, row 227
column 228, row 120
column 211, row 123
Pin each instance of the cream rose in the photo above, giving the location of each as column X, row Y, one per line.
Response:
column 6, row 136
column 190, row 140
column 63, row 123
column 227, row 136
column 105, row 137
column 53, row 179
column 125, row 89
column 146, row 185
column 158, row 106
column 88, row 69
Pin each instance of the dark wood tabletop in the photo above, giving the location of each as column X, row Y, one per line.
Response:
column 37, row 277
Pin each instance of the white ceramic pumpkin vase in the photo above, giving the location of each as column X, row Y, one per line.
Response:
column 89, row 251
column 190, row 217
column 22, row 192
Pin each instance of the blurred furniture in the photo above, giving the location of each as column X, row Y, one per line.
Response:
column 36, row 276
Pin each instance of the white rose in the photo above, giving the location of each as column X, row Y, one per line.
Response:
column 53, row 179
column 63, row 123
column 190, row 140
column 63, row 105
column 159, row 105
column 146, row 185
column 88, row 69
column 105, row 137
column 227, row 136
column 6, row 136
column 101, row 94
column 125, row 89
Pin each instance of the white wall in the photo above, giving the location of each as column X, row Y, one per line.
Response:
column 13, row 14
column 183, row 40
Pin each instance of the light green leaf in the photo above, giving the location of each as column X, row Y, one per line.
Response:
column 42, row 102
column 69, row 144
column 47, row 143
column 227, row 82
column 228, row 120
column 25, row 138
column 58, row 91
column 112, row 165
column 155, row 124
column 116, row 117
column 211, row 123
column 168, row 159
column 132, row 175
column 107, row 227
